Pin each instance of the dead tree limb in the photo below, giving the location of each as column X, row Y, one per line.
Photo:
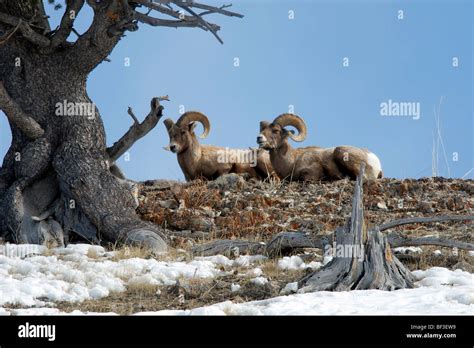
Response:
column 228, row 247
column 25, row 29
column 397, row 240
column 194, row 20
column 285, row 242
column 419, row 220
column 73, row 7
column 137, row 130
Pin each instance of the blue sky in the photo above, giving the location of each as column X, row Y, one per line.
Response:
column 299, row 62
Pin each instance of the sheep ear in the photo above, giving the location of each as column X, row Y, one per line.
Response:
column 168, row 123
column 287, row 132
column 192, row 126
column 263, row 125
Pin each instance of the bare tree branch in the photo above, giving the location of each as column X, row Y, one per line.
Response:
column 211, row 9
column 194, row 20
column 137, row 130
column 17, row 116
column 157, row 22
column 8, row 34
column 73, row 7
column 397, row 240
column 418, row 220
column 132, row 115
column 25, row 29
column 114, row 17
column 202, row 21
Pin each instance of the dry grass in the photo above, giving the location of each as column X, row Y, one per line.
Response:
column 198, row 195
column 130, row 252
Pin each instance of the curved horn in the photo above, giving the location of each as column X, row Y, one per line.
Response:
column 294, row 121
column 195, row 116
column 168, row 123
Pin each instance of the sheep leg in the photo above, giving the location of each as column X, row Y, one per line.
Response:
column 349, row 160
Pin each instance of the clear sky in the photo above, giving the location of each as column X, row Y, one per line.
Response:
column 299, row 62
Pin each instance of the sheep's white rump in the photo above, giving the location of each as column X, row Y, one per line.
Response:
column 374, row 162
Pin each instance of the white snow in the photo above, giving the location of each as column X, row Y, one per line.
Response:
column 296, row 262
column 255, row 272
column 407, row 250
column 68, row 274
column 259, row 281
column 241, row 261
column 439, row 291
column 48, row 311
column 38, row 277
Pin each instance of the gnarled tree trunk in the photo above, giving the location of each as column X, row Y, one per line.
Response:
column 61, row 179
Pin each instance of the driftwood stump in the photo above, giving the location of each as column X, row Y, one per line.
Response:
column 363, row 258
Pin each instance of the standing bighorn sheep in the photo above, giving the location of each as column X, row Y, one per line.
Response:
column 312, row 163
column 207, row 161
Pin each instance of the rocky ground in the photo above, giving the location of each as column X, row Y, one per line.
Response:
column 232, row 207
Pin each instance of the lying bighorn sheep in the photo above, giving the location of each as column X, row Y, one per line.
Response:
column 209, row 161
column 312, row 163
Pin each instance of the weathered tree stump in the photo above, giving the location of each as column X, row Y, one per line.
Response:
column 363, row 258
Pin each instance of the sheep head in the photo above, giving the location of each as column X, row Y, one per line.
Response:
column 182, row 133
column 274, row 135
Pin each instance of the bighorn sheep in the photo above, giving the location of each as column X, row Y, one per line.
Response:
column 207, row 161
column 312, row 163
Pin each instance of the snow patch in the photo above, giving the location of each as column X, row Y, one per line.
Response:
column 296, row 262
column 69, row 274
column 439, row 291
column 408, row 250
column 259, row 281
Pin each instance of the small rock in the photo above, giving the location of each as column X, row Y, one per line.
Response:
column 161, row 184
column 426, row 207
column 382, row 205
column 227, row 182
column 200, row 223
column 168, row 204
column 464, row 266
column 289, row 288
column 403, row 188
